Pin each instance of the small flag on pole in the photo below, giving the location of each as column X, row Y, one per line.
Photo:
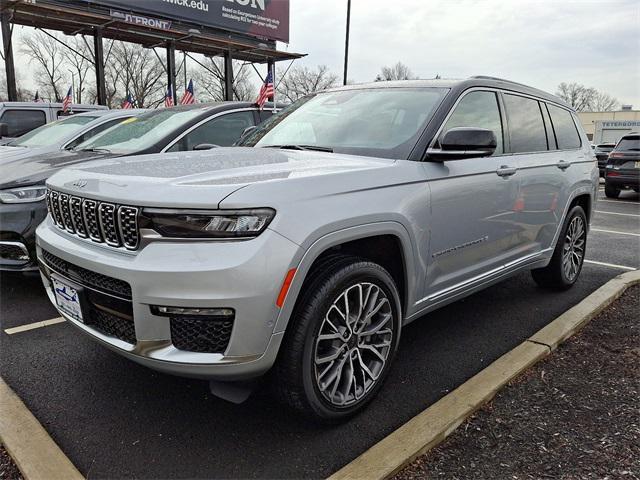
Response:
column 168, row 98
column 128, row 102
column 188, row 98
column 68, row 100
column 266, row 90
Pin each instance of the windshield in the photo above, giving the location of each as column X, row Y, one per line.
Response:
column 629, row 144
column 53, row 132
column 379, row 122
column 139, row 133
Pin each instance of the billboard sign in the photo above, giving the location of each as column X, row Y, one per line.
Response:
column 257, row 18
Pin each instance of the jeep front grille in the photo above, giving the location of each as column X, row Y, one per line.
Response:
column 102, row 222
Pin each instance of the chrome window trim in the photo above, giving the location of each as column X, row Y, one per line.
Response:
column 64, row 147
column 205, row 120
column 504, row 121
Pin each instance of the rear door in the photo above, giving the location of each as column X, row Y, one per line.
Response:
column 221, row 130
column 472, row 231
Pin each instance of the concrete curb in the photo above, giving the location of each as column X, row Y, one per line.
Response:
column 433, row 425
column 35, row 453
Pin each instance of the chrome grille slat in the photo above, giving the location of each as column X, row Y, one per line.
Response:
column 102, row 222
column 108, row 224
column 75, row 205
column 65, row 211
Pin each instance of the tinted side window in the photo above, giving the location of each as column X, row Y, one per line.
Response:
column 564, row 127
column 478, row 109
column 22, row 121
column 526, row 128
column 94, row 131
column 222, row 131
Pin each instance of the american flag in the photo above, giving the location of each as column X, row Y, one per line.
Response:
column 128, row 102
column 188, row 98
column 266, row 90
column 68, row 100
column 168, row 98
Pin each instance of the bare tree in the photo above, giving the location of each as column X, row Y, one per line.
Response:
column 576, row 95
column 301, row 81
column 399, row 71
column 48, row 56
column 24, row 95
column 79, row 62
column 138, row 73
column 603, row 102
column 210, row 81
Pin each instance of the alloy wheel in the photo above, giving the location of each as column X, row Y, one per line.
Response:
column 573, row 249
column 353, row 344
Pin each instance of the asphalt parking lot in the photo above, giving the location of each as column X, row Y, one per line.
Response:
column 114, row 418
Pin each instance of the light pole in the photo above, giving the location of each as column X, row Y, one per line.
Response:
column 346, row 43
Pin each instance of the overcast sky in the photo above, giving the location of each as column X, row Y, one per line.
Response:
column 540, row 43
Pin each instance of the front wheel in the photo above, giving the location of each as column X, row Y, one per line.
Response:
column 568, row 256
column 342, row 338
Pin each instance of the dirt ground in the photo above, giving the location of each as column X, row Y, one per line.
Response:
column 8, row 469
column 575, row 415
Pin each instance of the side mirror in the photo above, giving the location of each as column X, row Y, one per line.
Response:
column 465, row 142
column 4, row 130
column 205, row 146
column 247, row 131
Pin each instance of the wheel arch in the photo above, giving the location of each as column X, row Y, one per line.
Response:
column 367, row 241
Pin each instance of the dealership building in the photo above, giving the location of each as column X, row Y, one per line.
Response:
column 605, row 127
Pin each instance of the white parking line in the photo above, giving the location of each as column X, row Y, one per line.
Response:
column 616, row 213
column 615, row 232
column 611, row 265
column 618, row 201
column 33, row 326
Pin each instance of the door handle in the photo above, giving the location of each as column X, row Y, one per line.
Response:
column 506, row 171
column 562, row 165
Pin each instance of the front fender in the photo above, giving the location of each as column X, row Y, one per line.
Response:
column 338, row 237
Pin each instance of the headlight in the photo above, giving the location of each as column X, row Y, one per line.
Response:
column 207, row 223
column 23, row 194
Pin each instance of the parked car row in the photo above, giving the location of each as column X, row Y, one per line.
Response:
column 305, row 249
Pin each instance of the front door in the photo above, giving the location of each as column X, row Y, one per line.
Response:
column 472, row 204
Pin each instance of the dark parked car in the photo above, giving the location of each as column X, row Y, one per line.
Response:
column 623, row 166
column 186, row 127
column 602, row 152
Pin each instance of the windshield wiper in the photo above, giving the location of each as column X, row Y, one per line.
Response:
column 302, row 147
column 96, row 150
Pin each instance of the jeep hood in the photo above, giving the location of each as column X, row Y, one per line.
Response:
column 201, row 179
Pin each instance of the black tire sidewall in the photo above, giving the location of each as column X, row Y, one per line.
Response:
column 339, row 281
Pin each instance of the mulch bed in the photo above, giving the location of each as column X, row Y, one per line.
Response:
column 8, row 469
column 574, row 415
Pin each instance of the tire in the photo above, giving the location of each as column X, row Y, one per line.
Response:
column 571, row 246
column 299, row 378
column 611, row 191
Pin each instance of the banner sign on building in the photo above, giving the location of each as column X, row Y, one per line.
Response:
column 258, row 18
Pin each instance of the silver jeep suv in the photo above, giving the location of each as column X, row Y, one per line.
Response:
column 356, row 211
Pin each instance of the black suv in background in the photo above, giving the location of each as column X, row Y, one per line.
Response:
column 623, row 166
column 602, row 152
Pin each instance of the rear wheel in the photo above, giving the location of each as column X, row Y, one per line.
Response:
column 611, row 191
column 342, row 338
column 566, row 263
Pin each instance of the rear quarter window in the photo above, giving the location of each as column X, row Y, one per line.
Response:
column 564, row 127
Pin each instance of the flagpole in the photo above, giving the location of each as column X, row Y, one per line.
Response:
column 272, row 68
column 346, row 43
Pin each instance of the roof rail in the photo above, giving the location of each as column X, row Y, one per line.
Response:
column 488, row 77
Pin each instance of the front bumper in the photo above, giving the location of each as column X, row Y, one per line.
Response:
column 245, row 276
column 18, row 223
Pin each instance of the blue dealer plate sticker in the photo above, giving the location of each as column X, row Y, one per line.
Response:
column 67, row 299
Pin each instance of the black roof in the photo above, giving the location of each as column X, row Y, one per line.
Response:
column 462, row 84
